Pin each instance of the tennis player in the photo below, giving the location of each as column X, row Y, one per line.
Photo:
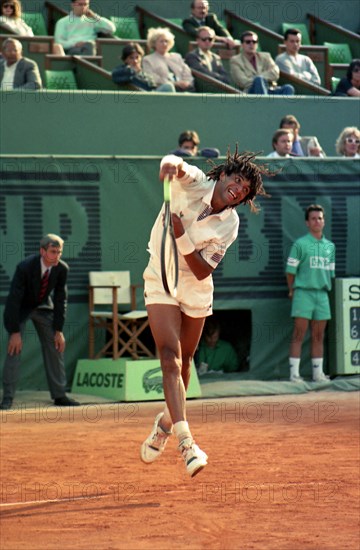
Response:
column 205, row 223
column 309, row 270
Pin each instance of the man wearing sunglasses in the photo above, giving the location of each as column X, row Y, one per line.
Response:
column 256, row 72
column 203, row 59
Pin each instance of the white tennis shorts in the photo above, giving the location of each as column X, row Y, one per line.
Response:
column 193, row 297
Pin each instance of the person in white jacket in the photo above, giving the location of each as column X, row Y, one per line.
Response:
column 165, row 66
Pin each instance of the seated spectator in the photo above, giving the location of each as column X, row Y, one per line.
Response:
column 282, row 141
column 350, row 84
column 348, row 143
column 11, row 19
column 165, row 67
column 189, row 142
column 201, row 17
column 203, row 59
column 256, row 72
column 131, row 71
column 78, row 31
column 17, row 72
column 296, row 64
column 215, row 355
column 307, row 146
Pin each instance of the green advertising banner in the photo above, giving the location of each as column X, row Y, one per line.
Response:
column 125, row 380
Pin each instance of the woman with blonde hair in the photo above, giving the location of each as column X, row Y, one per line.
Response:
column 348, row 143
column 11, row 20
column 164, row 66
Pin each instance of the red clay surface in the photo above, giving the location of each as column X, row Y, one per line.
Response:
column 283, row 473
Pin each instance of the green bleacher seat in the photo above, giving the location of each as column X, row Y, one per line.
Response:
column 339, row 53
column 37, row 22
column 126, row 27
column 175, row 20
column 334, row 82
column 305, row 38
column 60, row 80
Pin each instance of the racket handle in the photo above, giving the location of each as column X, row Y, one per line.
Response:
column 166, row 189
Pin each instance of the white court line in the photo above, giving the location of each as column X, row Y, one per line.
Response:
column 70, row 499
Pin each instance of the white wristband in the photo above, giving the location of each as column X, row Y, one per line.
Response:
column 185, row 244
column 171, row 159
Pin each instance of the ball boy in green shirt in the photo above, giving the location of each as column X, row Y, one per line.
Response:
column 309, row 270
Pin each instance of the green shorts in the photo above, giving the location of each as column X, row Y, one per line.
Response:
column 311, row 304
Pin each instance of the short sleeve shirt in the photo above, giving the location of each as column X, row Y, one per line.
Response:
column 312, row 261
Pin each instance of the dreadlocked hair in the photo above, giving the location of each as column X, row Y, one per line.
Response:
column 242, row 163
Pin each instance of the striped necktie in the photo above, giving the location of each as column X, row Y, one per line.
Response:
column 44, row 285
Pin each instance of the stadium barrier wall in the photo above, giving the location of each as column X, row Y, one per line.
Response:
column 98, row 122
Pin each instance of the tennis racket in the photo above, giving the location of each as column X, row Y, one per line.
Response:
column 168, row 253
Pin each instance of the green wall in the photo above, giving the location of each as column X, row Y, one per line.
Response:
column 104, row 208
column 92, row 122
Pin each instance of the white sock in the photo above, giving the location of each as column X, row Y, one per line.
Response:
column 294, row 363
column 317, row 366
column 182, row 430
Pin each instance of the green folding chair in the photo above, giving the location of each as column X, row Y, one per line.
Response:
column 126, row 27
column 339, row 53
column 37, row 22
column 305, row 37
column 60, row 80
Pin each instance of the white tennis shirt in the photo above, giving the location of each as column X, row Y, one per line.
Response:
column 191, row 196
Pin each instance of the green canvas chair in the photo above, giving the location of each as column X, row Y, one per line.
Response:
column 126, row 27
column 339, row 53
column 60, row 80
column 37, row 22
column 305, row 38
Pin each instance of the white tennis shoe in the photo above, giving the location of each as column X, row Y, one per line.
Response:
column 195, row 459
column 154, row 445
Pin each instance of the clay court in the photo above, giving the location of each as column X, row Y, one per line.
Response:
column 283, row 473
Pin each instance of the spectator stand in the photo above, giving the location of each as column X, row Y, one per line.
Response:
column 111, row 50
column 302, row 87
column 148, row 19
column 220, row 49
column 320, row 57
column 54, row 13
column 34, row 47
column 205, row 84
column 268, row 39
column 324, row 31
column 89, row 74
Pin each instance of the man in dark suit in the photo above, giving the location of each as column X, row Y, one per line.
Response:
column 201, row 17
column 17, row 72
column 203, row 59
column 35, row 279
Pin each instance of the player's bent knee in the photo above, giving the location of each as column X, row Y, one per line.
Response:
column 170, row 363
